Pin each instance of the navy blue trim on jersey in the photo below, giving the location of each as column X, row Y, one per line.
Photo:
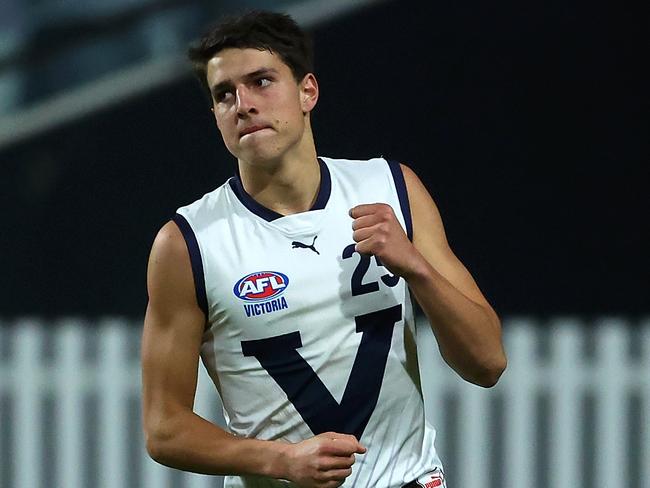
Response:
column 270, row 215
column 403, row 196
column 195, row 260
column 325, row 187
column 250, row 203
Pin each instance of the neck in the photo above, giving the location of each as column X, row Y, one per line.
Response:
column 288, row 185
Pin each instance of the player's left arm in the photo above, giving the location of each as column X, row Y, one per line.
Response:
column 466, row 327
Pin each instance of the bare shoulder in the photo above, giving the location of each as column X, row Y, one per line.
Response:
column 169, row 244
column 170, row 282
column 416, row 189
column 409, row 174
column 427, row 222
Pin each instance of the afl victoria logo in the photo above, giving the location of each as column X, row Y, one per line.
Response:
column 261, row 286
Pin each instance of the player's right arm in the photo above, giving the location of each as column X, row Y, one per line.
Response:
column 175, row 435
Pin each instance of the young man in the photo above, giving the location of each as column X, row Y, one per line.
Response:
column 291, row 282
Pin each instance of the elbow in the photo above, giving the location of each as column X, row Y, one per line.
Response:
column 154, row 451
column 157, row 442
column 492, row 365
column 155, row 447
column 487, row 374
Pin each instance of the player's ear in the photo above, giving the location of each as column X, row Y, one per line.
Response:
column 308, row 92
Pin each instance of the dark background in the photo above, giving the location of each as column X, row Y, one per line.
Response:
column 527, row 123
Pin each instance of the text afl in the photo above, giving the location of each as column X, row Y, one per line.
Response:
column 262, row 290
column 261, row 286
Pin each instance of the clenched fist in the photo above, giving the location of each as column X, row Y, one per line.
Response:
column 324, row 461
column 378, row 232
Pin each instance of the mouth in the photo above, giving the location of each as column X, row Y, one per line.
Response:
column 252, row 129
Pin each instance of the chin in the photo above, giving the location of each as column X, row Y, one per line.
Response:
column 261, row 156
column 262, row 152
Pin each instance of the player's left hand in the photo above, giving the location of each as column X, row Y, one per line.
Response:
column 378, row 232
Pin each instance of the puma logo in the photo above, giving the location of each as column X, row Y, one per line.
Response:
column 296, row 244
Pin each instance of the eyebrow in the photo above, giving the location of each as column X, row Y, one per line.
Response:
column 248, row 77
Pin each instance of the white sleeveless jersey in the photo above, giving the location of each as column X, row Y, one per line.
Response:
column 304, row 335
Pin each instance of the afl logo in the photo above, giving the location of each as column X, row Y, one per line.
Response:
column 261, row 286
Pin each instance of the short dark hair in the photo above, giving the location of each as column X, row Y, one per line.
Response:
column 278, row 33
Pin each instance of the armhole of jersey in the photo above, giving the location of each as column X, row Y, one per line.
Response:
column 402, row 194
column 195, row 260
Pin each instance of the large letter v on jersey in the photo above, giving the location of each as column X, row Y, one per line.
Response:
column 279, row 356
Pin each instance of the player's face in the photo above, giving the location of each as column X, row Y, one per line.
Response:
column 261, row 110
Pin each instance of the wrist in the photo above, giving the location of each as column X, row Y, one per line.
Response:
column 279, row 462
column 417, row 270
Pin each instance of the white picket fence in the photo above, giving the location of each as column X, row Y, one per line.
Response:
column 572, row 410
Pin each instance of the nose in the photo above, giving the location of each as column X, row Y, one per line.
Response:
column 245, row 102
